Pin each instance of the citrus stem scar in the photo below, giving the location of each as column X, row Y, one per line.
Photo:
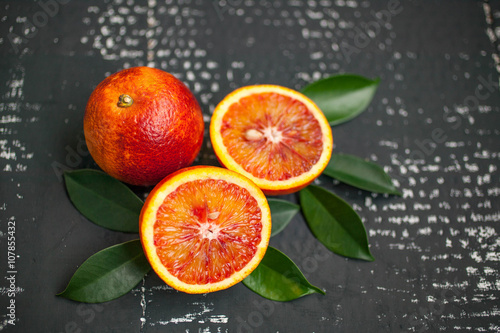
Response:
column 124, row 101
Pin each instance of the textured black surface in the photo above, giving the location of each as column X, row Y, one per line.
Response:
column 433, row 125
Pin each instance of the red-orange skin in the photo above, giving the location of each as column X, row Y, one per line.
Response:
column 161, row 132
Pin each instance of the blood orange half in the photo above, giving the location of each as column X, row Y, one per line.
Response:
column 275, row 136
column 205, row 228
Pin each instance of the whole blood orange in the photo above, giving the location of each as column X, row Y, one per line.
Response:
column 275, row 136
column 205, row 228
column 142, row 124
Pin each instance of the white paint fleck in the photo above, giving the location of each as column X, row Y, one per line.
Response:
column 197, row 316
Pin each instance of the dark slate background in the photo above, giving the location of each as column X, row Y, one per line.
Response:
column 433, row 126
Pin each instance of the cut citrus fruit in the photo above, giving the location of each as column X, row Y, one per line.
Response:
column 205, row 228
column 275, row 136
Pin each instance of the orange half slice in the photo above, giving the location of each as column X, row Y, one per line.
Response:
column 275, row 136
column 205, row 228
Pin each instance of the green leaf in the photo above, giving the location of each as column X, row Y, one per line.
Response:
column 108, row 274
column 334, row 223
column 342, row 97
column 359, row 173
column 277, row 278
column 103, row 199
column 282, row 212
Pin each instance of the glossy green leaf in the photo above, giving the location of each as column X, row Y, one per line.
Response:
column 108, row 274
column 277, row 278
column 282, row 212
column 334, row 223
column 342, row 97
column 103, row 199
column 359, row 173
